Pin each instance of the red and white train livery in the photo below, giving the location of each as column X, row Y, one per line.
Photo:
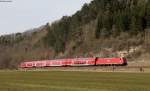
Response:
column 74, row 62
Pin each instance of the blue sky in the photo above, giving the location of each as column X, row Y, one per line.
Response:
column 21, row 15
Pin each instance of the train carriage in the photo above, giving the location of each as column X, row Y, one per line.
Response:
column 83, row 61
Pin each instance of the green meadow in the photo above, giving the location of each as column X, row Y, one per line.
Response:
column 73, row 81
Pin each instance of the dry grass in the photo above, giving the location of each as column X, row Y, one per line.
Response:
column 73, row 81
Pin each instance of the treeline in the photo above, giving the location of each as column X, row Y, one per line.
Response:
column 9, row 40
column 16, row 38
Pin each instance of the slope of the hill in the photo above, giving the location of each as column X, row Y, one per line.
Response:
column 102, row 28
column 19, row 47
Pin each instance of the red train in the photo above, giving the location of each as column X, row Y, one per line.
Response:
column 75, row 62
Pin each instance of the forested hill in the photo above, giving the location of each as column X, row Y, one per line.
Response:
column 101, row 28
column 99, row 25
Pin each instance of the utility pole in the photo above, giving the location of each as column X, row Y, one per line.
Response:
column 147, row 36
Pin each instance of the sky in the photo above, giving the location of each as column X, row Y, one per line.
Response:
column 22, row 15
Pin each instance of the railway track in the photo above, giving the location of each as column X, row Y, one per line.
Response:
column 95, row 69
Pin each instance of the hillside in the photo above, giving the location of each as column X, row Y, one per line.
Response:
column 102, row 28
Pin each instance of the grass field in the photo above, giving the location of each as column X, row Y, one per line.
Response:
column 73, row 81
